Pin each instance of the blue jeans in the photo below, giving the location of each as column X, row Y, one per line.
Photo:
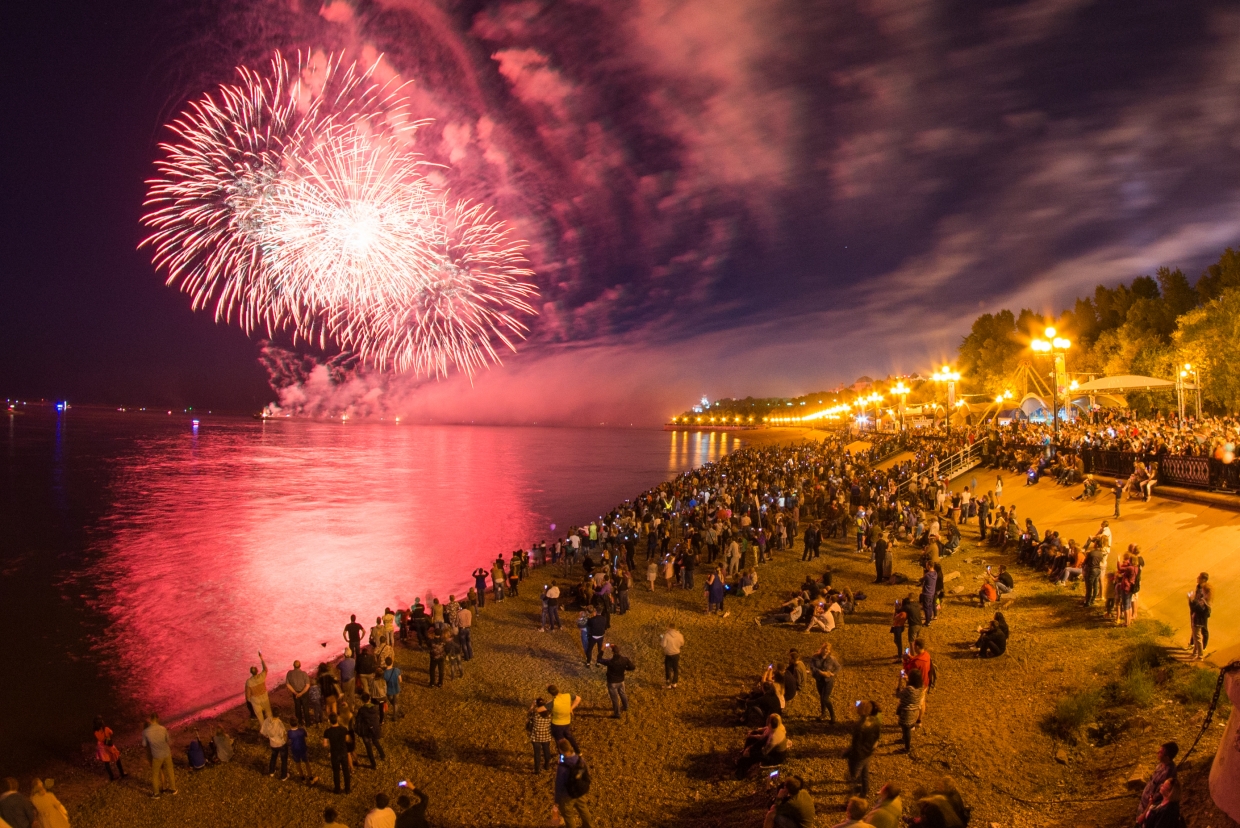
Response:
column 595, row 645
column 467, row 646
column 553, row 613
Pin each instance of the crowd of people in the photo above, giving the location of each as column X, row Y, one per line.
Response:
column 711, row 529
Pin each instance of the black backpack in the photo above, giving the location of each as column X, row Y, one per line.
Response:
column 578, row 782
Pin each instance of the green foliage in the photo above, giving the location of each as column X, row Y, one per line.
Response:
column 1073, row 712
column 1136, row 687
column 1209, row 337
column 1150, row 327
column 1199, row 688
column 1146, row 655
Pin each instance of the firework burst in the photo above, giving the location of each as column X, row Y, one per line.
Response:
column 293, row 201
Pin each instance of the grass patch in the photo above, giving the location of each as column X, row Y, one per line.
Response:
column 1072, row 712
column 1136, row 687
column 1199, row 688
column 1146, row 655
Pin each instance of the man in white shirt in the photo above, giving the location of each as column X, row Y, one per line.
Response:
column 382, row 816
column 671, row 641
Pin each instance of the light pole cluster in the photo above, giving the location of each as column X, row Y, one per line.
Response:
column 947, row 375
column 863, row 403
column 1057, row 347
column 901, row 390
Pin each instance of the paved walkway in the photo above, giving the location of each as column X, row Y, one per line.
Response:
column 1178, row 539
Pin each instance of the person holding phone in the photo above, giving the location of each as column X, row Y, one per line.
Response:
column 825, row 668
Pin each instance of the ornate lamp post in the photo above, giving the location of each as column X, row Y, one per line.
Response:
column 1057, row 347
column 901, row 390
column 947, row 375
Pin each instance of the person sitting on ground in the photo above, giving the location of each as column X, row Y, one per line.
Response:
column 1164, row 810
column 767, row 746
column 888, row 812
column 749, row 581
column 993, row 639
column 821, row 618
column 788, row 613
column 987, row 594
column 854, row 814
column 793, row 806
column 1089, row 489
column 195, row 754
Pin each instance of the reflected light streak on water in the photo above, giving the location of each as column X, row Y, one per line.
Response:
column 193, row 551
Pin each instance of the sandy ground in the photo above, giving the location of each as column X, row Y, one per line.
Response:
column 668, row 762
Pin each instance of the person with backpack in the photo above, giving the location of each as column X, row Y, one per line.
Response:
column 369, row 729
column 572, row 783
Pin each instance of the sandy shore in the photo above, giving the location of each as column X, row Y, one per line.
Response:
column 668, row 762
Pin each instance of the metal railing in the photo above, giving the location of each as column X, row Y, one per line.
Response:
column 1191, row 471
column 950, row 467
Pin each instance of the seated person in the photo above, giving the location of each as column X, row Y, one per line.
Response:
column 195, row 754
column 1151, row 480
column 1089, row 489
column 993, row 639
column 1003, row 581
column 788, row 612
column 767, row 746
column 987, row 594
column 749, row 581
column 766, row 699
column 220, row 748
column 821, row 618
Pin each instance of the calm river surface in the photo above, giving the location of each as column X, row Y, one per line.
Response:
column 144, row 562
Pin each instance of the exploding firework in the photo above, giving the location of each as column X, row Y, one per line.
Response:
column 294, row 201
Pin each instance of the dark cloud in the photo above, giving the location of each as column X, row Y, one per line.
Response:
column 771, row 195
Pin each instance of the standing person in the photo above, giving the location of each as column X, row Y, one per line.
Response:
column 617, row 666
column 865, row 736
column 1093, row 572
column 1200, row 605
column 391, row 678
column 299, row 752
column 336, row 740
column 51, row 813
column 562, row 707
column 159, row 751
column 298, row 683
column 369, row 728
column 348, row 675
column 882, row 558
column 672, row 641
column 899, row 620
column 353, row 632
column 553, row 606
column 256, row 692
column 714, row 594
column 480, row 584
column 909, row 692
column 929, row 590
column 998, row 489
column 652, row 572
column 825, row 667
column 596, row 627
column 572, row 783
column 106, row 752
column 538, row 724
column 498, row 579
column 277, row 737
column 438, row 656
column 1117, row 491
column 465, row 634
column 329, row 688
column 381, row 816
column 15, row 809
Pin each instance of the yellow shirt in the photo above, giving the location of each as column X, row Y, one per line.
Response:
column 562, row 709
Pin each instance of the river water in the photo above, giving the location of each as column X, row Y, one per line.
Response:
column 145, row 561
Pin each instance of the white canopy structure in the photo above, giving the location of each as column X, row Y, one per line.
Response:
column 1126, row 382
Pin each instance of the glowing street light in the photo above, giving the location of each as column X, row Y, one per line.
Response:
column 902, row 391
column 1057, row 347
column 947, row 375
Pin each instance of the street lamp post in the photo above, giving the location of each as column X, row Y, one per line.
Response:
column 1185, row 373
column 1057, row 347
column 901, row 390
column 947, row 375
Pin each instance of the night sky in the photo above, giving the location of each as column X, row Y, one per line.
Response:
column 722, row 197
